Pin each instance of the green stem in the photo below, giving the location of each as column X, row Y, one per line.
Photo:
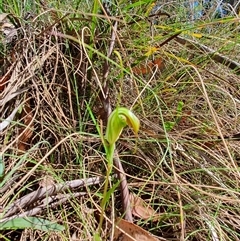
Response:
column 110, row 153
column 95, row 9
column 2, row 168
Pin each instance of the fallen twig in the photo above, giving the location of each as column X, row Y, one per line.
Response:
column 50, row 190
column 123, row 188
column 48, row 202
column 219, row 58
column 8, row 183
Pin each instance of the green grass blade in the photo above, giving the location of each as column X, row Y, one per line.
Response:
column 2, row 167
column 32, row 223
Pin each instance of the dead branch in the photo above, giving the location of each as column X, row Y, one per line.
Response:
column 48, row 202
column 123, row 188
column 217, row 57
column 50, row 190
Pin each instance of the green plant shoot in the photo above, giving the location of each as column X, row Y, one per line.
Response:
column 119, row 118
column 169, row 125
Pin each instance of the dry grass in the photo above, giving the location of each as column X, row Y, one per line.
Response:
column 184, row 162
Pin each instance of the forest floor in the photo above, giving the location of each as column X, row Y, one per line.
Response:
column 64, row 68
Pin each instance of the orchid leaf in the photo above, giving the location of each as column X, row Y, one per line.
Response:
column 32, row 223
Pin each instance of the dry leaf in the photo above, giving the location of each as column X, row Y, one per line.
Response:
column 26, row 131
column 4, row 20
column 141, row 209
column 145, row 69
column 131, row 232
column 9, row 119
column 11, row 95
column 3, row 17
column 7, row 28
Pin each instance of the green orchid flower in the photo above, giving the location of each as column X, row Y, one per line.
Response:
column 118, row 119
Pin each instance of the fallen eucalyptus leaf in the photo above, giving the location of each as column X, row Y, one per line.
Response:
column 131, row 232
column 141, row 209
column 26, row 131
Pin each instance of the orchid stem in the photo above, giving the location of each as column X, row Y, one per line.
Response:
column 110, row 153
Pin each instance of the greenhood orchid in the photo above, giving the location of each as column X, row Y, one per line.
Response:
column 118, row 119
